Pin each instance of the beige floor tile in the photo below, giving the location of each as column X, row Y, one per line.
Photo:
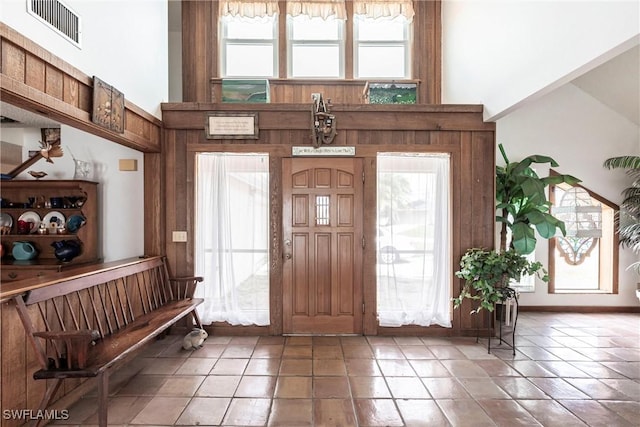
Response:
column 161, row 366
column 629, row 410
column 443, row 352
column 263, row 367
column 143, row 385
column 181, row 386
column 196, row 366
column 357, row 352
column 219, row 386
column 161, row 411
column 421, row 413
column 121, row 410
column 297, row 351
column 507, row 413
column 327, row 352
column 558, row 388
column 229, row 367
column 293, row 387
column 550, row 413
column 392, row 352
column 520, row 388
column 445, row 388
column 377, row 412
column 414, row 352
column 369, row 387
column 329, row 367
column 596, row 389
column 464, row 412
column 204, row 411
column 291, row 413
column 296, row 367
column 237, row 351
column 256, row 386
column 595, row 414
column 212, row 351
column 268, row 351
column 483, row 388
column 331, row 387
column 396, row 368
column 407, row 388
column 429, row 368
column 247, row 412
column 464, row 369
column 362, row 367
column 334, row 413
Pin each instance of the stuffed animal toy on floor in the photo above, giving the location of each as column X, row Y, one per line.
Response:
column 194, row 339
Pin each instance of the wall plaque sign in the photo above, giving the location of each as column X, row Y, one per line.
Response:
column 323, row 151
column 232, row 125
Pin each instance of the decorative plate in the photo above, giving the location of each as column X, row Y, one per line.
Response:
column 54, row 220
column 31, row 216
column 6, row 221
column 75, row 222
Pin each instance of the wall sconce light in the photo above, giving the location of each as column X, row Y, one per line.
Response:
column 323, row 123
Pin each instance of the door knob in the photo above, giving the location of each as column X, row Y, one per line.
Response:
column 287, row 256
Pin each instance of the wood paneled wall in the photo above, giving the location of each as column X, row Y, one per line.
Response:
column 201, row 77
column 33, row 79
column 457, row 130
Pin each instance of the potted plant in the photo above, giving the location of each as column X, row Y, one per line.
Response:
column 487, row 274
column 628, row 219
column 522, row 207
column 523, row 204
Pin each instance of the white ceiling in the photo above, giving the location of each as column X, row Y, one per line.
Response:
column 616, row 83
column 24, row 118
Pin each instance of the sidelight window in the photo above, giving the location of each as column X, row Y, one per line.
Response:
column 413, row 241
column 231, row 237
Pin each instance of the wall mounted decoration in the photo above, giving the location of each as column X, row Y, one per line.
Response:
column 108, row 106
column 323, row 123
column 232, row 126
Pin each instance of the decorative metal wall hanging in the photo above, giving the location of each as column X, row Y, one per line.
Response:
column 323, row 123
column 108, row 106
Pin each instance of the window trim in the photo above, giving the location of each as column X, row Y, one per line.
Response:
column 614, row 242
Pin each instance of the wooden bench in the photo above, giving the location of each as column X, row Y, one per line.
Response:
column 84, row 325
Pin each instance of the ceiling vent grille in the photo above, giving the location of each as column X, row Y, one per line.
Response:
column 58, row 16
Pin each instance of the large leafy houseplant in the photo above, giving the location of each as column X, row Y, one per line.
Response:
column 522, row 203
column 487, row 275
column 628, row 220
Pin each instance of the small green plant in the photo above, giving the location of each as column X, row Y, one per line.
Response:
column 488, row 273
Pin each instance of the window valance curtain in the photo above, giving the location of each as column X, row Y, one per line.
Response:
column 317, row 8
column 248, row 9
column 384, row 8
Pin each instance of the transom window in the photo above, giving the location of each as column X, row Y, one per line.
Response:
column 315, row 47
column 382, row 47
column 249, row 46
column 316, row 35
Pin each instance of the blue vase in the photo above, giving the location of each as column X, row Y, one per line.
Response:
column 23, row 251
column 66, row 250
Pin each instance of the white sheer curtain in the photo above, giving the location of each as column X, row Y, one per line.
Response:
column 248, row 9
column 384, row 9
column 317, row 8
column 414, row 260
column 231, row 237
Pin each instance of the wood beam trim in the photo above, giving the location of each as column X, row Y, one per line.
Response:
column 47, row 85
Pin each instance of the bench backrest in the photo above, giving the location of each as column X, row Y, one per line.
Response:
column 101, row 303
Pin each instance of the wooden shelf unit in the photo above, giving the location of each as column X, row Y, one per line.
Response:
column 15, row 197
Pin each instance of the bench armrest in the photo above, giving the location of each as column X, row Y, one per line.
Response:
column 77, row 344
column 184, row 287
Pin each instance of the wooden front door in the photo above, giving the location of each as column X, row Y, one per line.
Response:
column 322, row 213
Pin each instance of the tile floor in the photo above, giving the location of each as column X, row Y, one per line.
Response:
column 569, row 370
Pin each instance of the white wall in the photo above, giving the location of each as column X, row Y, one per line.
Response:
column 124, row 43
column 579, row 132
column 121, row 194
column 502, row 52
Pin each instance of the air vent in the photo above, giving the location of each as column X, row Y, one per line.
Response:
column 58, row 16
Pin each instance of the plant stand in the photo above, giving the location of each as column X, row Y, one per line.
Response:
column 509, row 302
